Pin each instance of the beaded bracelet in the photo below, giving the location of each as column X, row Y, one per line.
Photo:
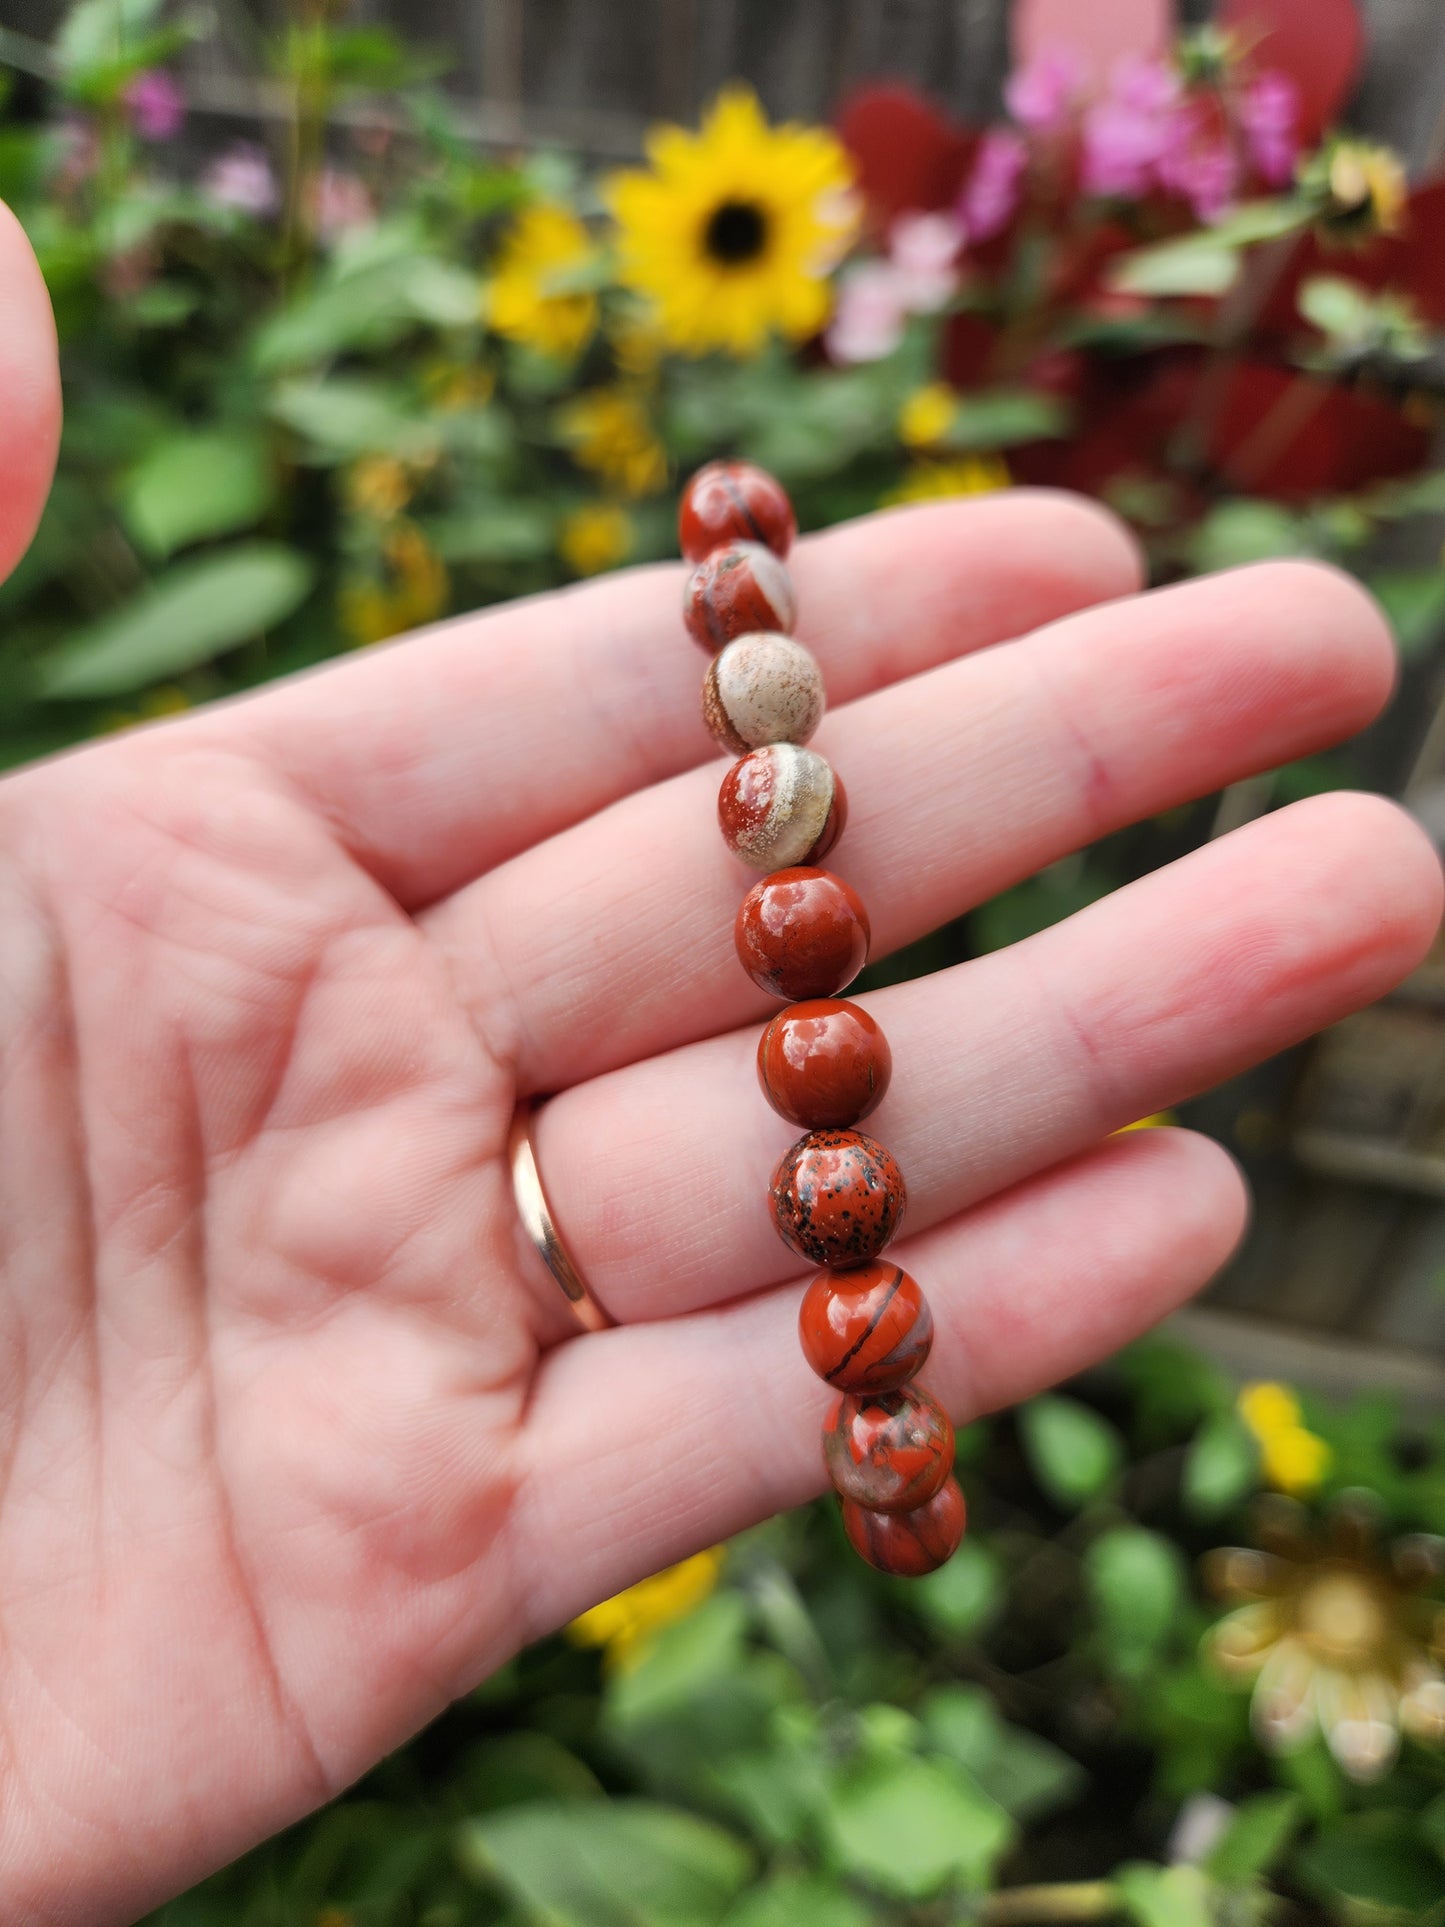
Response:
column 837, row 1197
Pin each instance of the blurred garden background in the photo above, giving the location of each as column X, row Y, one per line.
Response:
column 369, row 315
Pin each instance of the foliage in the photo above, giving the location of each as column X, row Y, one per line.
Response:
column 1034, row 1733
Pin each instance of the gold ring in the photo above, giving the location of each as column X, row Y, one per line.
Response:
column 541, row 1227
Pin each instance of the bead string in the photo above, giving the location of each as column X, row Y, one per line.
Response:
column 837, row 1196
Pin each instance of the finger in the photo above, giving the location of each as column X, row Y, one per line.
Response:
column 614, row 940
column 450, row 751
column 659, row 1173
column 712, row 1421
column 29, row 393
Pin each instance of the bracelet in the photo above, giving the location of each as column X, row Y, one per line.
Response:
column 837, row 1196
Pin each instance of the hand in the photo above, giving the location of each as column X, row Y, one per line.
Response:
column 296, row 1442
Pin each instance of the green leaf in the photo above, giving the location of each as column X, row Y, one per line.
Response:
column 1075, row 1454
column 1238, row 532
column 615, row 1863
column 192, row 486
column 679, row 1662
column 1164, row 1896
column 1338, row 307
column 1025, row 1774
column 511, row 1768
column 1136, row 1582
column 1414, row 601
column 1255, row 1838
column 910, row 1827
column 196, row 611
column 1372, row 1857
column 1000, row 417
column 800, row 1900
column 1222, row 1466
column 1199, row 264
column 494, row 532
column 963, row 1596
column 351, row 416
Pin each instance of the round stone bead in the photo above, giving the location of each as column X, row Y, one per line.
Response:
column 888, row 1451
column 866, row 1330
column 781, row 806
column 802, row 933
column 741, row 589
column 837, row 1198
column 909, row 1544
column 734, row 502
column 762, row 689
column 824, row 1064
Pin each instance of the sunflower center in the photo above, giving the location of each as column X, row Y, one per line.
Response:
column 1343, row 1619
column 736, row 233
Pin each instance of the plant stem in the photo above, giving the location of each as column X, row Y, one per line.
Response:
column 1068, row 1900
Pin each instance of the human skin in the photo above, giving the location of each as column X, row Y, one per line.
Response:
column 296, row 1440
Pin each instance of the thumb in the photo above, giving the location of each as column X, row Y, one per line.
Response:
column 29, row 392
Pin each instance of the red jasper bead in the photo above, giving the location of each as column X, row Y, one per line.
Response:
column 824, row 1064
column 889, row 1451
column 866, row 1330
column 742, row 589
column 837, row 1197
column 802, row 933
column 734, row 502
column 780, row 805
column 909, row 1544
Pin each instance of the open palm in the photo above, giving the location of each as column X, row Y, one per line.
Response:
column 296, row 1439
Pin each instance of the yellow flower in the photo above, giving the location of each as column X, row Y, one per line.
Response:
column 153, row 707
column 379, row 486
column 637, row 342
column 933, row 481
column 927, row 415
column 732, row 233
column 1155, row 1123
column 1291, row 1457
column 623, row 1625
column 594, row 538
column 1331, row 1633
column 611, row 433
column 454, row 386
column 530, row 301
column 413, row 591
column 1360, row 189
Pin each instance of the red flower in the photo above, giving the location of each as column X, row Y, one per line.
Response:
column 907, row 155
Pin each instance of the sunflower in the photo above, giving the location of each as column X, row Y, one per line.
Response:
column 935, row 481
column 732, row 232
column 533, row 299
column 610, row 432
column 1332, row 1632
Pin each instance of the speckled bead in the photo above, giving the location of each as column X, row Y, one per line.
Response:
column 889, row 1451
column 802, row 933
column 762, row 689
column 837, row 1197
column 909, row 1544
column 866, row 1330
column 741, row 589
column 780, row 807
column 734, row 502
column 824, row 1064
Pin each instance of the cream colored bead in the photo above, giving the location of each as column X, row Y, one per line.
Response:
column 779, row 806
column 762, row 689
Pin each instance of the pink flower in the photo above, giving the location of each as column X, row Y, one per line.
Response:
column 868, row 321
column 991, row 193
column 241, row 178
column 340, row 203
column 1131, row 129
column 1041, row 95
column 157, row 105
column 1268, row 114
column 923, row 250
column 1203, row 172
